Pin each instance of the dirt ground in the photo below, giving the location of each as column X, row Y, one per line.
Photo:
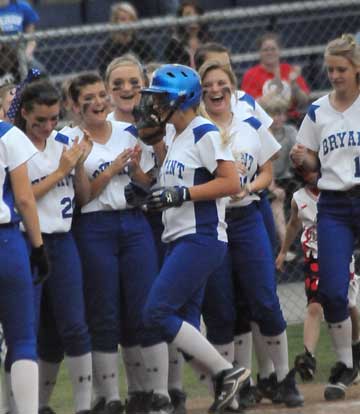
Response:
column 314, row 403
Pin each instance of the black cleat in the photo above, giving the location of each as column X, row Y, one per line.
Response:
column 266, row 387
column 99, row 407
column 247, row 396
column 305, row 365
column 287, row 392
column 178, row 400
column 341, row 377
column 160, row 404
column 227, row 384
column 46, row 410
column 114, row 407
column 139, row 402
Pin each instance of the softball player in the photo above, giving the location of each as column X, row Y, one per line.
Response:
column 303, row 214
column 328, row 140
column 115, row 241
column 243, row 106
column 16, row 301
column 54, row 172
column 195, row 173
column 249, row 248
column 124, row 77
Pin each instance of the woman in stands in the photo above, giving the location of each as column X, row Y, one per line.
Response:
column 275, row 77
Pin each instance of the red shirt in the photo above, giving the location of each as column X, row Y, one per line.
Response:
column 255, row 78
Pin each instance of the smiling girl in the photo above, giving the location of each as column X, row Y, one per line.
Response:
column 115, row 241
column 252, row 262
column 328, row 142
column 55, row 171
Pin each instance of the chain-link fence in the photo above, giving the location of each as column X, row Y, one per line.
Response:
column 304, row 27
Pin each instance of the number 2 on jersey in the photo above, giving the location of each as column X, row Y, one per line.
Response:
column 68, row 203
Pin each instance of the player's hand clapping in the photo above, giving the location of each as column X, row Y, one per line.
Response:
column 121, row 161
column 86, row 145
column 69, row 159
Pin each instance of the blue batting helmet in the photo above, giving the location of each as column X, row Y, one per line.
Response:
column 181, row 84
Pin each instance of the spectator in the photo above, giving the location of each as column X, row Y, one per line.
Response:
column 123, row 42
column 183, row 45
column 272, row 76
column 17, row 16
column 282, row 186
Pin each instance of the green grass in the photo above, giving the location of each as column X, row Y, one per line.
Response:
column 62, row 397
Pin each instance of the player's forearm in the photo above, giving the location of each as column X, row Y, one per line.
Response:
column 82, row 186
column 142, row 178
column 98, row 184
column 44, row 186
column 25, row 204
column 262, row 181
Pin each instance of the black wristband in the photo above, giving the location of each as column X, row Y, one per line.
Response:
column 186, row 194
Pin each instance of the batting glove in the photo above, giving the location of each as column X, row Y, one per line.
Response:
column 135, row 194
column 39, row 264
column 167, row 197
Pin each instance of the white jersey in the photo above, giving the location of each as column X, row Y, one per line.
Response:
column 123, row 136
column 335, row 136
column 191, row 159
column 245, row 106
column 252, row 145
column 147, row 152
column 15, row 150
column 306, row 202
column 55, row 208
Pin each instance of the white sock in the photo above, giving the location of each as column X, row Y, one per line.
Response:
column 176, row 368
column 243, row 350
column 80, row 371
column 135, row 368
column 277, row 348
column 156, row 360
column 193, row 343
column 264, row 362
column 226, row 351
column 340, row 334
column 48, row 372
column 24, row 383
column 106, row 372
column 203, row 374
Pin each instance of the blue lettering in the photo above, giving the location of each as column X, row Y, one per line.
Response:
column 173, row 166
column 325, row 146
column 341, row 136
column 181, row 168
column 332, row 142
column 351, row 142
